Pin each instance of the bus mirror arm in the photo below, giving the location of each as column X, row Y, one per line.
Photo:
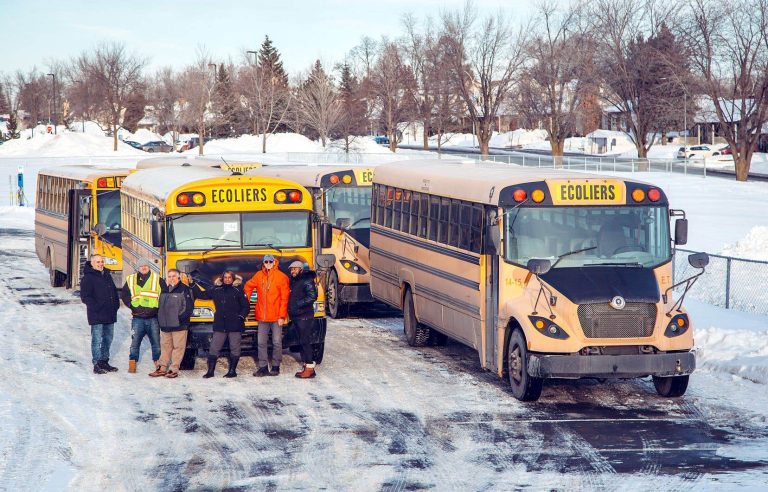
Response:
column 697, row 260
column 540, row 267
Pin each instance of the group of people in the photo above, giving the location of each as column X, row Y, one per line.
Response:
column 161, row 309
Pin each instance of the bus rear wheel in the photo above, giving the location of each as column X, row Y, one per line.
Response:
column 670, row 387
column 55, row 277
column 416, row 334
column 524, row 386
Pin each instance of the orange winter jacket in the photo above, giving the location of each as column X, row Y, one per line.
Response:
column 272, row 290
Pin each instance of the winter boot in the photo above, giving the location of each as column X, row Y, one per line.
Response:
column 158, row 372
column 275, row 371
column 232, row 367
column 211, row 366
column 308, row 371
column 97, row 369
column 105, row 365
column 132, row 366
column 262, row 371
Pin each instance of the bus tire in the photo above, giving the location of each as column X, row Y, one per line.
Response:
column 670, row 387
column 416, row 334
column 188, row 361
column 55, row 277
column 524, row 387
column 333, row 304
column 318, row 350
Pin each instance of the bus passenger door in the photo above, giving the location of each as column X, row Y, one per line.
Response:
column 491, row 310
column 78, row 235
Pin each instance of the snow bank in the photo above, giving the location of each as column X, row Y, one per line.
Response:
column 278, row 142
column 753, row 246
column 66, row 143
column 141, row 136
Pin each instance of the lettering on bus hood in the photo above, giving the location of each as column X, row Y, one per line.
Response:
column 238, row 195
column 587, row 191
column 586, row 285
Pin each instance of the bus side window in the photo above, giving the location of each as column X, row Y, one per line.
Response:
column 406, row 220
column 396, row 209
column 424, row 216
column 453, row 225
column 434, row 215
column 415, row 202
column 477, row 229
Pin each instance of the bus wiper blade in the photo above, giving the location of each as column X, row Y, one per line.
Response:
column 560, row 257
column 216, row 246
column 211, row 238
column 628, row 264
column 261, row 245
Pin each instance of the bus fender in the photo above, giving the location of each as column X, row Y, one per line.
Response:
column 405, row 279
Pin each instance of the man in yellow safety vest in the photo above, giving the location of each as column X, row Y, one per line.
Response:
column 141, row 294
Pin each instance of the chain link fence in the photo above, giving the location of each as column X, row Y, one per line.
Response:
column 732, row 283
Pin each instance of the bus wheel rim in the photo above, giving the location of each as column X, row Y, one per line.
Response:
column 515, row 364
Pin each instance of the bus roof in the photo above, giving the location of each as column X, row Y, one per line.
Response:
column 305, row 175
column 192, row 161
column 84, row 172
column 470, row 180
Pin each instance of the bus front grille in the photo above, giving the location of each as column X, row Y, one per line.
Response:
column 637, row 319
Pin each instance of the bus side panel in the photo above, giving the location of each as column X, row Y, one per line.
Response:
column 51, row 233
column 384, row 279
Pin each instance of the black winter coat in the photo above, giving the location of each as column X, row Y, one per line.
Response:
column 163, row 314
column 231, row 306
column 99, row 294
column 141, row 311
column 301, row 301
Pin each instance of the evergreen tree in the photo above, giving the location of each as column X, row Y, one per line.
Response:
column 134, row 111
column 270, row 62
column 5, row 108
column 353, row 121
column 224, row 104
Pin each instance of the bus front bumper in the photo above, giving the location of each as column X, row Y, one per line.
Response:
column 352, row 293
column 200, row 334
column 611, row 366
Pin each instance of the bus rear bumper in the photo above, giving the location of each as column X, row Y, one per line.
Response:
column 611, row 366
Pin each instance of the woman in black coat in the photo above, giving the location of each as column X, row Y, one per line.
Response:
column 228, row 320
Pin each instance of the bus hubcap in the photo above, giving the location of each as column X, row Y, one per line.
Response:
column 516, row 364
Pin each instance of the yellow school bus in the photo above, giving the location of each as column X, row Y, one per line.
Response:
column 546, row 273
column 343, row 200
column 77, row 214
column 203, row 221
column 231, row 165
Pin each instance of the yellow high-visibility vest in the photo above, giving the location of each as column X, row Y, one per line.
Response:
column 147, row 295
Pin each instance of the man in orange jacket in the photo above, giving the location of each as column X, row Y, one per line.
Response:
column 272, row 291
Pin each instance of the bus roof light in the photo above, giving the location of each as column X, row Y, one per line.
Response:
column 101, row 182
column 638, row 195
column 294, row 196
column 182, row 199
column 334, row 179
column 519, row 195
column 347, row 179
column 537, row 196
column 654, row 194
column 280, row 196
column 198, row 199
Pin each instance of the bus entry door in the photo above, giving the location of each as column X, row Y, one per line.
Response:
column 79, row 235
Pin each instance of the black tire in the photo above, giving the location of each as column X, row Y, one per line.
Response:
column 416, row 334
column 318, row 351
column 55, row 277
column 524, row 387
column 671, row 387
column 332, row 303
column 188, row 361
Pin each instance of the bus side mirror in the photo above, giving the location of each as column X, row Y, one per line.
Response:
column 343, row 223
column 698, row 260
column 100, row 229
column 493, row 239
column 681, row 232
column 326, row 235
column 187, row 266
column 325, row 261
column 158, row 233
column 538, row 267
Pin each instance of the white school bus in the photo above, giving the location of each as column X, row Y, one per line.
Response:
column 231, row 165
column 203, row 221
column 342, row 198
column 547, row 274
column 77, row 214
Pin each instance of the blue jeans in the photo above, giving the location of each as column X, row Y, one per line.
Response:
column 141, row 327
column 101, row 340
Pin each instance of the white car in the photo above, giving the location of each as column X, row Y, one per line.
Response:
column 696, row 152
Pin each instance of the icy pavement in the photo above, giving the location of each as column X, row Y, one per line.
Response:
column 380, row 415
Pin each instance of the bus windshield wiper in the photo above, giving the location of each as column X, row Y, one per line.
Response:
column 211, row 238
column 560, row 257
column 261, row 245
column 216, row 246
column 624, row 263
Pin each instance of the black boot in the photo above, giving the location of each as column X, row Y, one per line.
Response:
column 211, row 366
column 232, row 366
column 105, row 365
column 97, row 369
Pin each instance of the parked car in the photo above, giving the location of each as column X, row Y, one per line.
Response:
column 156, row 146
column 135, row 145
column 189, row 144
column 381, row 139
column 696, row 152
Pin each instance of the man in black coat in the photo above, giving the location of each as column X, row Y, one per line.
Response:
column 174, row 311
column 301, row 309
column 228, row 320
column 98, row 293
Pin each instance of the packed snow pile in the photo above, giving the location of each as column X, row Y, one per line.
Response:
column 517, row 138
column 251, row 144
column 141, row 136
column 66, row 143
column 754, row 246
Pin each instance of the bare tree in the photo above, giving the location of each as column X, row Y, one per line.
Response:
column 318, row 104
column 165, row 95
column 729, row 46
column 422, row 53
column 393, row 87
column 116, row 76
column 197, row 85
column 485, row 60
column 557, row 76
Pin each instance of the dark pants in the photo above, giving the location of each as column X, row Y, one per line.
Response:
column 101, row 340
column 235, row 337
column 305, row 327
column 263, row 343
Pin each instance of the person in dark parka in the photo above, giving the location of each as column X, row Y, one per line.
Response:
column 173, row 314
column 99, row 294
column 301, row 309
column 228, row 320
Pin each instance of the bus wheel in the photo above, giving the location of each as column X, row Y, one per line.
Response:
column 188, row 361
column 416, row 334
column 332, row 296
column 56, row 277
column 671, row 387
column 318, row 350
column 524, row 386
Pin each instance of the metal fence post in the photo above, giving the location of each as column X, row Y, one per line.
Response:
column 728, row 283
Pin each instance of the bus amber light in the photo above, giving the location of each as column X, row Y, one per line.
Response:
column 198, row 198
column 537, row 196
column 347, row 179
column 519, row 195
column 101, row 183
column 334, row 179
column 280, row 196
column 654, row 195
column 294, row 196
column 183, row 199
column 638, row 195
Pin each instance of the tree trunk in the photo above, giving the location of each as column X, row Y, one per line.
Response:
column 264, row 142
column 484, row 137
column 741, row 163
column 322, row 140
column 557, row 144
column 425, row 136
column 114, row 136
column 201, row 136
column 393, row 141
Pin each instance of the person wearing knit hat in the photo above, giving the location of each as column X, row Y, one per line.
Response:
column 301, row 309
column 141, row 294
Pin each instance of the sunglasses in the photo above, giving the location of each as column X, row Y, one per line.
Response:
column 268, row 261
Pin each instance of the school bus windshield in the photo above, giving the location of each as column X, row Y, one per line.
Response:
column 584, row 236
column 108, row 211
column 352, row 203
column 247, row 230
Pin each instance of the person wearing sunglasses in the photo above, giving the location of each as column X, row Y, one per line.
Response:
column 271, row 310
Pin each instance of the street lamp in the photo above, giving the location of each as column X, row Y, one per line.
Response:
column 55, row 122
column 255, row 54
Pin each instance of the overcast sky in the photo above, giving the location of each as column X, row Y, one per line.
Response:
column 168, row 32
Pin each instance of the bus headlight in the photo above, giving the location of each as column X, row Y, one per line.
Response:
column 319, row 307
column 202, row 312
column 110, row 261
column 677, row 326
column 547, row 328
column 353, row 267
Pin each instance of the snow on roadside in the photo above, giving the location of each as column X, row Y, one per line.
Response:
column 753, row 246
